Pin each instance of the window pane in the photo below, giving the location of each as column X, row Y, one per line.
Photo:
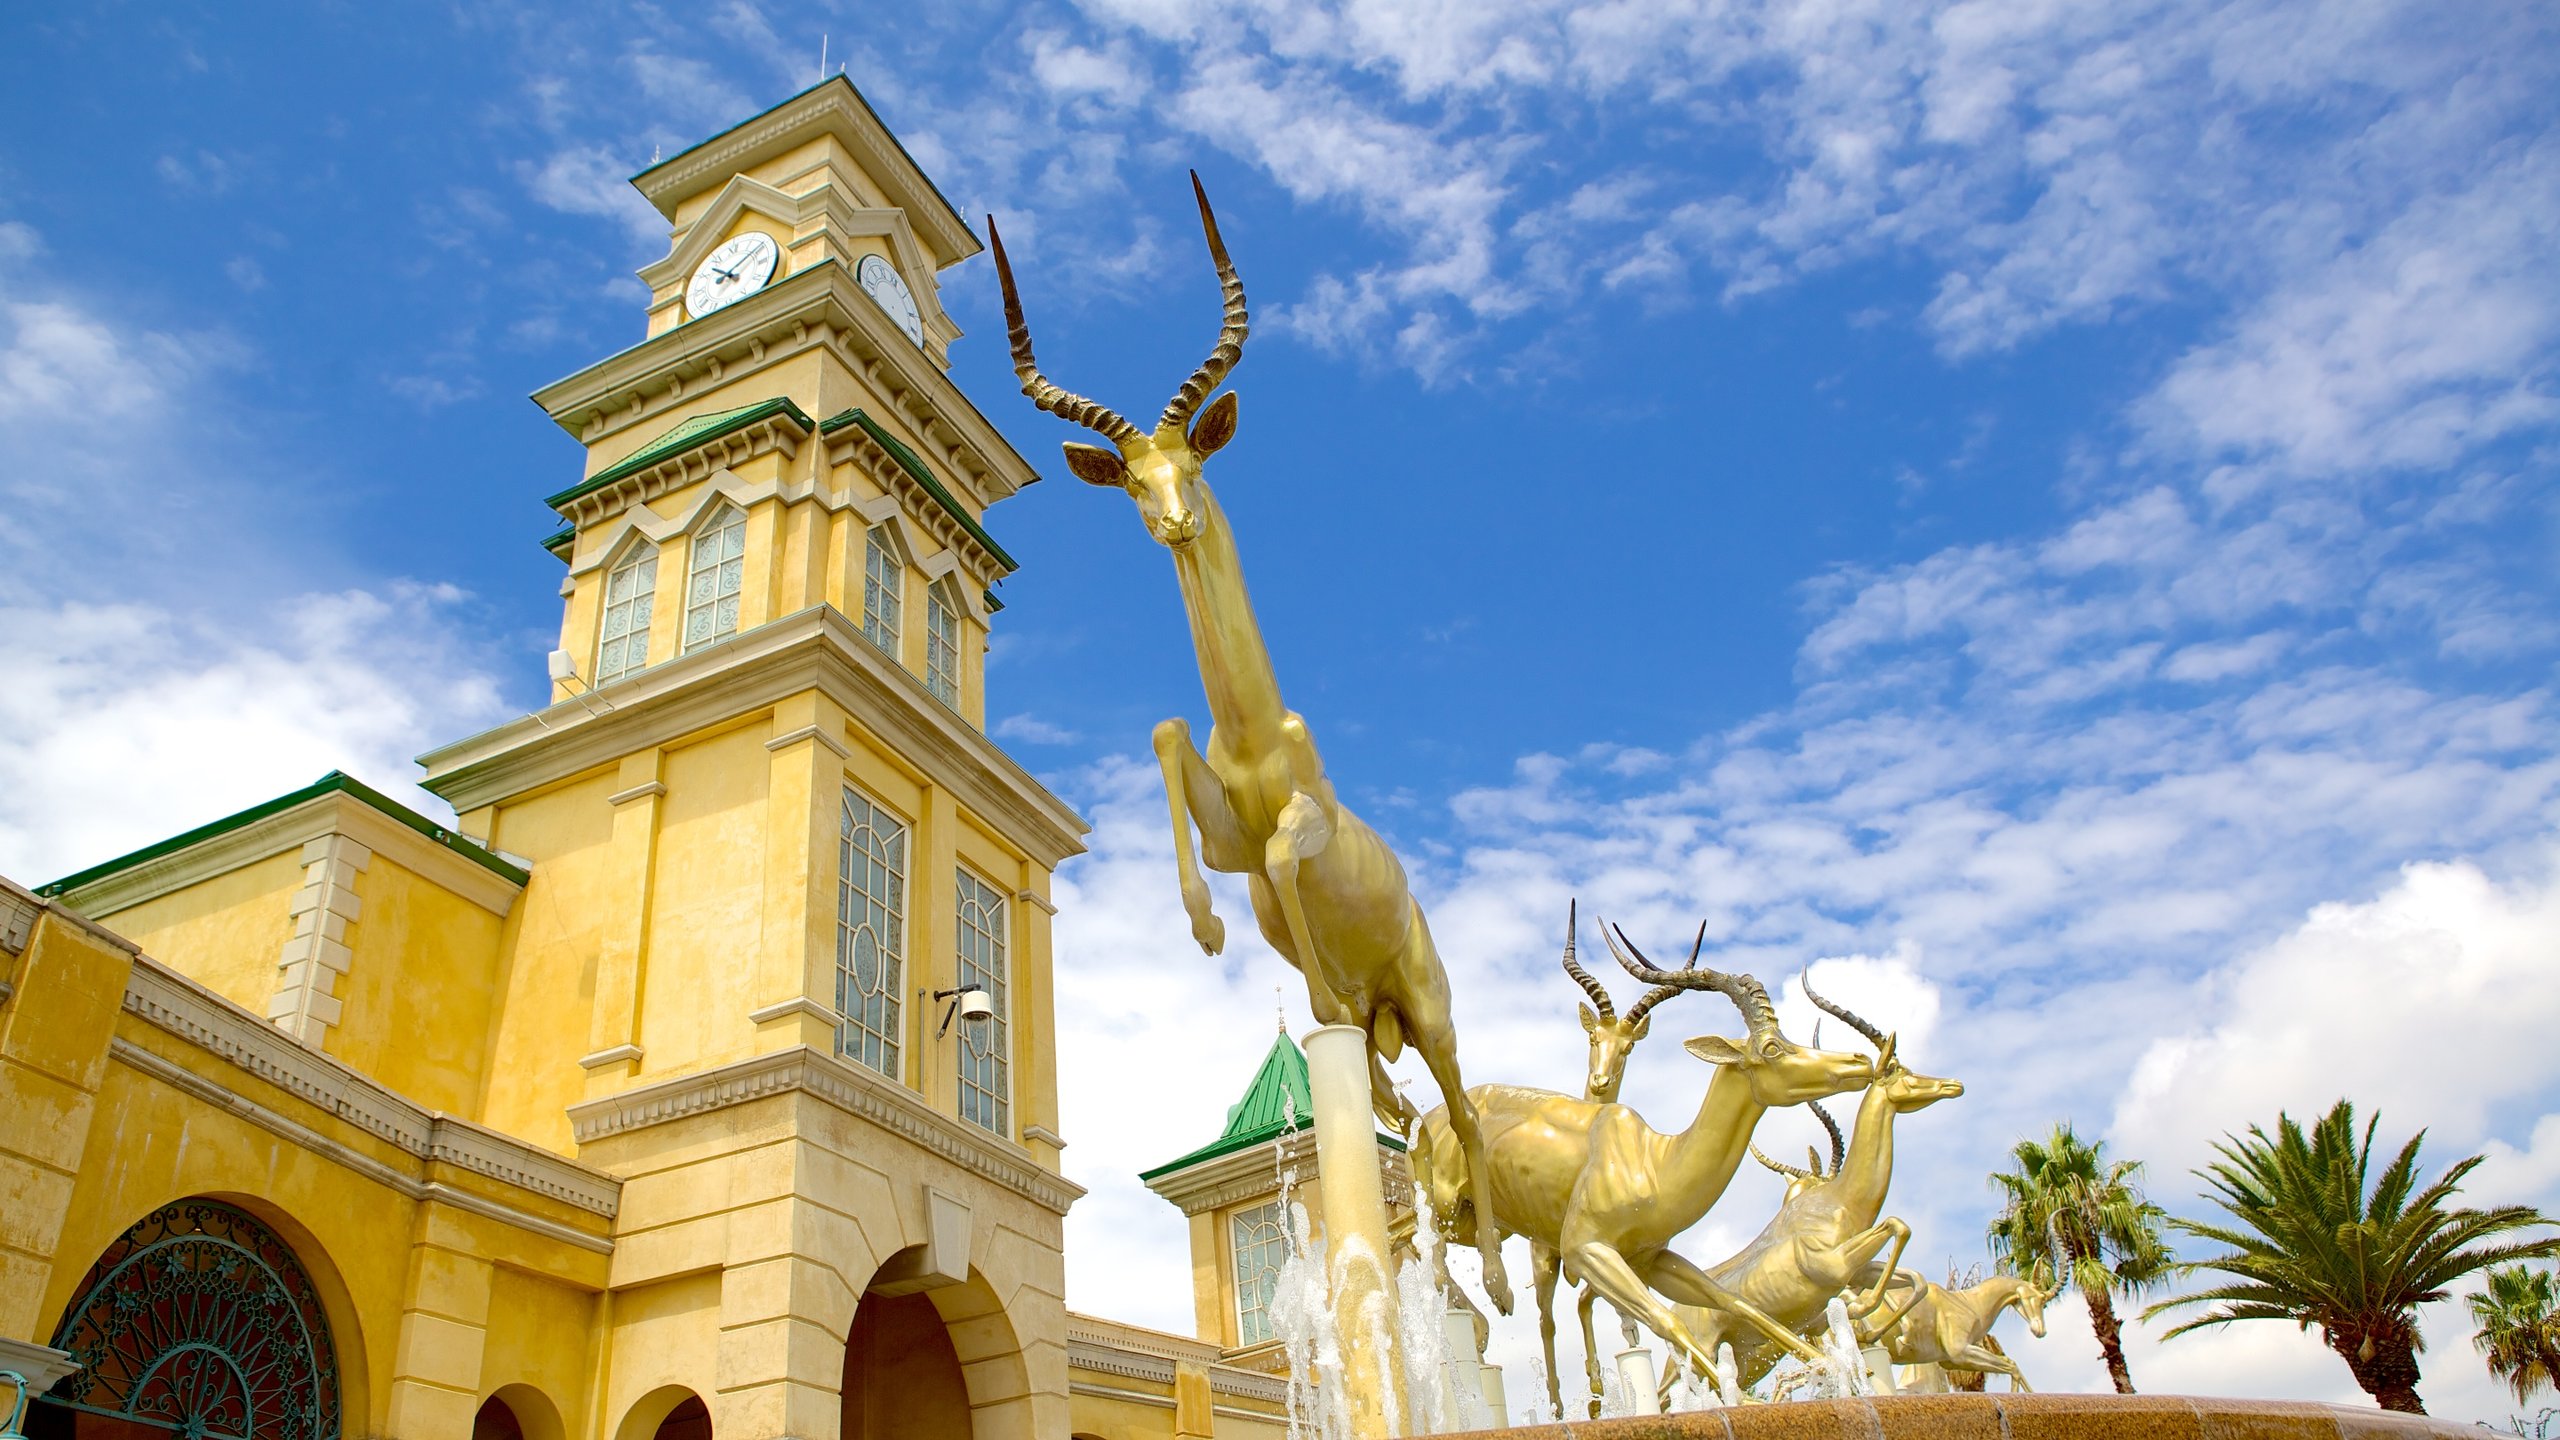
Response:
column 941, row 649
column 883, row 589
column 986, row 1080
column 1259, row 1238
column 871, row 883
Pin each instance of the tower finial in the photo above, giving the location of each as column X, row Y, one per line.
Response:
column 1279, row 1010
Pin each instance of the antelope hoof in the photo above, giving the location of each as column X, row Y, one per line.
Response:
column 1497, row 1284
column 1210, row 931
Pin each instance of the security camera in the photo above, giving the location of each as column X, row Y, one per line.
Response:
column 977, row 1005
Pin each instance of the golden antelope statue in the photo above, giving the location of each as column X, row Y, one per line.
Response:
column 1613, row 1038
column 1327, row 892
column 1608, row 1192
column 1828, row 1234
column 1952, row 1328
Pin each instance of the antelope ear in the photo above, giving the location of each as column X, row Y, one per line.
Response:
column 1215, row 427
column 1096, row 466
column 1590, row 1022
column 1644, row 1027
column 1715, row 1049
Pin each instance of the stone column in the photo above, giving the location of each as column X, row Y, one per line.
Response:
column 444, row 1319
column 1355, row 1226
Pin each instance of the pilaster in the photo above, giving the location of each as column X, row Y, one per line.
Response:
column 795, row 974
column 933, row 953
column 614, row 1045
column 1035, row 1023
column 435, row 1368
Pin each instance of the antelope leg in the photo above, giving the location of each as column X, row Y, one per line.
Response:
column 1542, row 1279
column 1870, row 1240
column 1590, row 1346
column 1605, row 1270
column 1197, row 796
column 1674, row 1276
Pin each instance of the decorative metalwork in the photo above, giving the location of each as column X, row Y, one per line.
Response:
column 871, row 942
column 199, row 1320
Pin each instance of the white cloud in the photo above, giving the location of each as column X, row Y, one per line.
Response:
column 2430, row 1004
column 589, row 180
column 125, row 723
column 1032, row 730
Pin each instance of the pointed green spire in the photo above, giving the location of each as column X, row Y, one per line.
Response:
column 1277, row 1102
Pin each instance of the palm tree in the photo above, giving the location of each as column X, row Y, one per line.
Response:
column 2519, row 1320
column 2074, row 1218
column 2315, row 1245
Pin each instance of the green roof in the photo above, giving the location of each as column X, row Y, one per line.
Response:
column 559, row 542
column 335, row 782
column 908, row 462
column 1276, row 1103
column 701, row 429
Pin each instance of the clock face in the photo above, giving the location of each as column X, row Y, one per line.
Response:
column 879, row 280
column 738, row 269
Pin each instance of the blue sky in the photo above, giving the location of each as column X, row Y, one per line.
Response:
column 2045, row 508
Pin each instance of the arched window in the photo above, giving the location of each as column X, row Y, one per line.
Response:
column 986, row 1080
column 942, row 644
column 630, row 589
column 714, row 577
column 1260, row 1243
column 871, row 926
column 200, row 1321
column 884, row 587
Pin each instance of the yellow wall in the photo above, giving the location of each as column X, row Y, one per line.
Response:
column 707, row 912
column 550, row 946
column 420, row 992
column 230, row 927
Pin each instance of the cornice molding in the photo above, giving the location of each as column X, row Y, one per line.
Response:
column 688, row 466
column 817, row 648
column 1241, row 1175
column 816, row 308
column 849, row 1088
column 1108, row 1347
column 177, row 1006
column 920, row 508
column 332, row 813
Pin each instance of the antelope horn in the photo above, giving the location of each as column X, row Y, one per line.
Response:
column 1746, row 993
column 1582, row 977
column 1782, row 1167
column 1066, row 405
column 1231, row 330
column 1839, row 1145
column 1652, row 997
column 1874, row 1036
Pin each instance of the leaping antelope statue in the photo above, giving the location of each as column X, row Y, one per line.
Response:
column 1327, row 892
column 1613, row 1039
column 1608, row 1192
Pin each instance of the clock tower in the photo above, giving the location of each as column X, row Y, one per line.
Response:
column 783, row 965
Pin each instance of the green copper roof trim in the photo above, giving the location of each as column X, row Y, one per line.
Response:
column 859, row 99
column 700, row 430
column 335, row 782
column 993, row 604
column 1276, row 1103
column 908, row 462
column 559, row 542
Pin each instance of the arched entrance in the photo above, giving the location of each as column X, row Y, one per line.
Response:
column 690, row 1420
column 198, row 1321
column 496, row 1421
column 901, row 1376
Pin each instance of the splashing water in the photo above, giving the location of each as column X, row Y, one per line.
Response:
column 1844, row 1362
column 1302, row 1318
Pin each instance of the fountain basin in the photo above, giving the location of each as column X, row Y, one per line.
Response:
column 2013, row 1417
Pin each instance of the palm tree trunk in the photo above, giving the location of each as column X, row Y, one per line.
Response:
column 2390, row 1376
column 2102, row 1318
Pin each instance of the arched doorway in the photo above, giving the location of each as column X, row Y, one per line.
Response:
column 198, row 1321
column 690, row 1420
column 496, row 1421
column 901, row 1376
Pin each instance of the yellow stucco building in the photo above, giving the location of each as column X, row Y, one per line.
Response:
column 699, row 1077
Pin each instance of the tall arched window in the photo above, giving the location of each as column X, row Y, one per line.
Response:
column 871, row 932
column 986, row 1078
column 714, row 577
column 200, row 1321
column 1259, row 1241
column 884, row 585
column 942, row 644
column 630, row 590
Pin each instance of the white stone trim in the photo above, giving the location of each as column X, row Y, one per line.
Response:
column 1044, row 1135
column 818, row 733
column 816, row 648
column 641, row 791
column 614, row 1055
column 40, row 1364
column 303, row 1137
column 177, row 1006
column 850, row 1088
column 305, row 1003
column 1036, row 902
column 332, row 813
column 796, row 1005
column 1246, row 1174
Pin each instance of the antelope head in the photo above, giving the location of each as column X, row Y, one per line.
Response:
column 1904, row 1089
column 1161, row 471
column 1613, row 1036
column 2031, row 1302
column 1778, row 1070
